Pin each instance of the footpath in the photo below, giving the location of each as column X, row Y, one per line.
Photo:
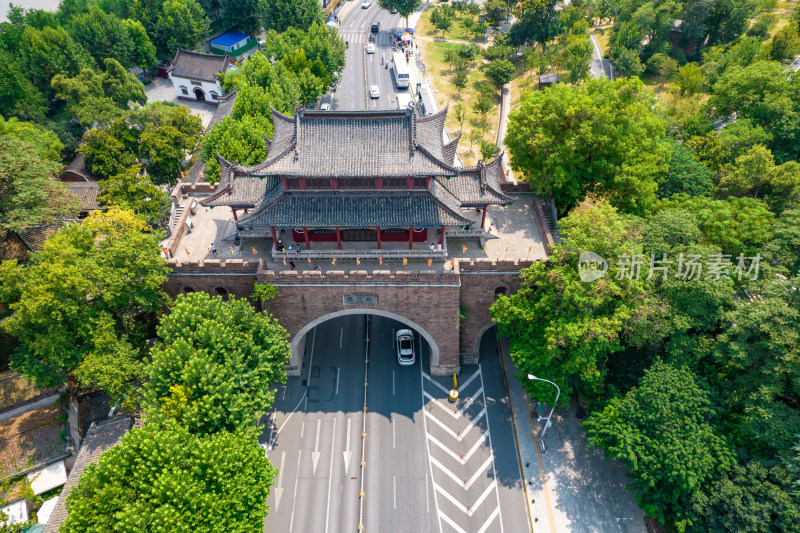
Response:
column 569, row 488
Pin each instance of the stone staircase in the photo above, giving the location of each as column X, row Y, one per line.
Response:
column 550, row 217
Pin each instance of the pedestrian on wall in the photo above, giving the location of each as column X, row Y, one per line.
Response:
column 433, row 247
column 291, row 264
column 299, row 249
column 213, row 249
column 316, row 266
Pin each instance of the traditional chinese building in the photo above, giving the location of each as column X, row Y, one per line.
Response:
column 374, row 180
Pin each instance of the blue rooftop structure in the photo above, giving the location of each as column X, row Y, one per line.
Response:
column 230, row 42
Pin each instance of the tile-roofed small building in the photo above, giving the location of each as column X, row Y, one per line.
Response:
column 196, row 76
column 87, row 193
column 101, row 436
column 329, row 173
column 76, row 171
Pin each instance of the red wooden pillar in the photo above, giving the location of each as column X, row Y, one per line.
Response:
column 483, row 218
column 274, row 238
column 339, row 238
column 442, row 241
column 379, row 237
column 235, row 218
column 308, row 241
column 410, row 237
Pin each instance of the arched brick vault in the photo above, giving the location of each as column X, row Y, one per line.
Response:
column 299, row 340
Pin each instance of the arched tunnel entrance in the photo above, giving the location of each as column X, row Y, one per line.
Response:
column 317, row 331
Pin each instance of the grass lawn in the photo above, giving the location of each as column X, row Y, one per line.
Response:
column 457, row 32
column 440, row 76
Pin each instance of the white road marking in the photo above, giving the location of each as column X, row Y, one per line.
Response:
column 494, row 471
column 466, row 383
column 275, row 436
column 445, row 408
column 445, row 449
column 394, row 434
column 341, row 336
column 392, row 382
column 294, row 494
column 428, row 450
column 447, row 472
column 315, row 453
column 330, row 478
column 482, row 497
column 310, row 361
column 472, row 400
column 302, row 429
column 427, row 495
column 337, row 379
column 449, row 521
column 347, row 453
column 394, row 490
column 443, row 389
column 455, row 501
column 484, row 466
column 475, row 446
column 279, row 487
column 452, row 433
column 490, row 520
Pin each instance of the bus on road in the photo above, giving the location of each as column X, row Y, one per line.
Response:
column 401, row 76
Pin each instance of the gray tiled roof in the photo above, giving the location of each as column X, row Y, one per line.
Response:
column 197, row 66
column 355, row 144
column 99, row 438
column 449, row 150
column 244, row 191
column 479, row 185
column 329, row 209
column 87, row 194
column 77, row 169
column 35, row 236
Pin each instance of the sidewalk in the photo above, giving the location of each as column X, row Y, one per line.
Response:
column 569, row 488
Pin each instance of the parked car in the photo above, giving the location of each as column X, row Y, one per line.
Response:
column 370, row 48
column 405, row 347
column 374, row 91
column 325, row 107
column 393, row 11
column 365, row 4
column 376, row 27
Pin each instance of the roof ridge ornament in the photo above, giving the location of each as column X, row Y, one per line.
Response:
column 413, row 131
column 482, row 171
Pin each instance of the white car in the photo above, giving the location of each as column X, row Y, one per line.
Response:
column 374, row 91
column 325, row 107
column 371, row 48
column 405, row 347
column 365, row 4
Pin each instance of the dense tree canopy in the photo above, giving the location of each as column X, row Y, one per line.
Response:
column 662, row 430
column 105, row 270
column 47, row 52
column 600, row 138
column 164, row 479
column 216, row 364
column 285, row 14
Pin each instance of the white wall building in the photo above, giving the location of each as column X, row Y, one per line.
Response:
column 196, row 76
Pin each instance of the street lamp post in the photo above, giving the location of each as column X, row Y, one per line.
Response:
column 547, row 424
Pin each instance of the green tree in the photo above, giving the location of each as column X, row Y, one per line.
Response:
column 690, row 79
column 235, row 140
column 106, row 270
column 752, row 92
column 29, row 194
column 500, row 71
column 599, row 138
column 284, row 14
column 321, row 46
column 537, row 21
column 164, row 478
column 576, row 56
column 663, row 66
column 756, row 175
column 785, row 44
column 757, row 368
column 685, row 174
column 783, row 249
column 106, row 155
column 489, row 150
column 561, row 327
column 662, row 430
column 216, row 365
column 44, row 142
column 143, row 54
column 403, row 7
column 18, row 96
column 626, row 62
column 495, row 12
column 47, row 52
column 134, row 190
column 461, row 116
column 100, row 97
column 460, row 81
column 750, row 499
column 171, row 24
column 246, row 15
column 737, row 225
column 103, row 35
column 443, row 23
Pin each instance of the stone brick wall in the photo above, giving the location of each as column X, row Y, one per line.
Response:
column 425, row 301
column 481, row 280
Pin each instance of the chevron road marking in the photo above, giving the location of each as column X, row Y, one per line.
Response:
column 475, row 446
column 466, row 383
column 488, row 462
column 445, row 449
column 482, row 497
column 452, row 499
column 490, row 520
column 447, row 472
column 494, row 472
column 472, row 400
column 452, row 433
column 441, row 387
column 445, row 408
column 450, row 522
column 451, row 453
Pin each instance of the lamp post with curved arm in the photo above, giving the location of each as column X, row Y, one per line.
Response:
column 547, row 424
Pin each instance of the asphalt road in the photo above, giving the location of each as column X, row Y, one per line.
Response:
column 417, row 453
column 352, row 90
